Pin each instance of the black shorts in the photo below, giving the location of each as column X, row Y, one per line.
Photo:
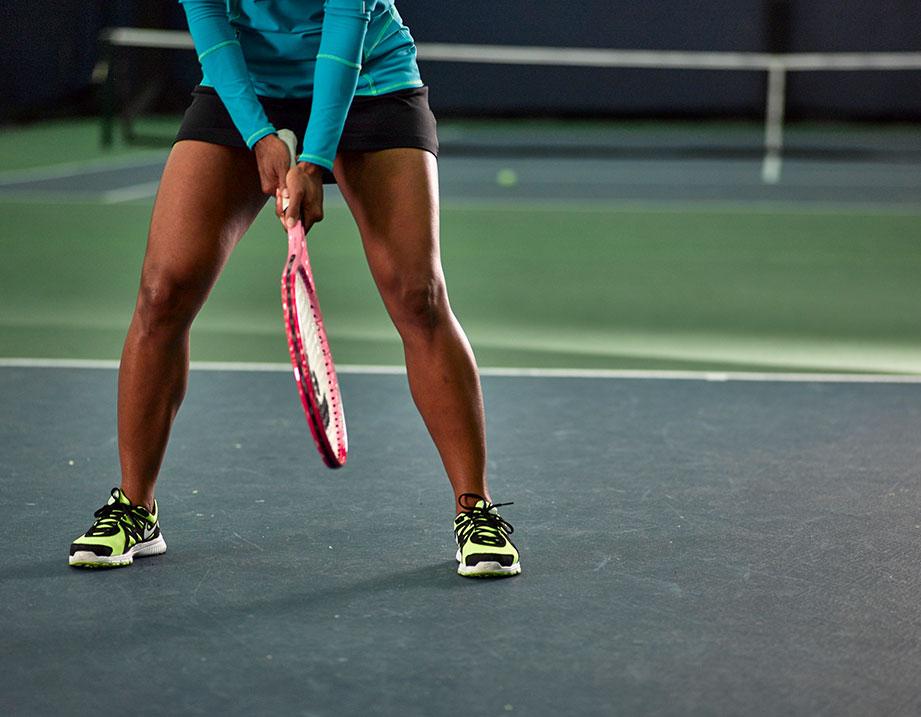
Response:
column 396, row 119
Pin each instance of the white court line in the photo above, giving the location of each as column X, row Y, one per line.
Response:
column 130, row 193
column 713, row 376
column 53, row 197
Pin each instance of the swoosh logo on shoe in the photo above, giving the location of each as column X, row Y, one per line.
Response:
column 148, row 532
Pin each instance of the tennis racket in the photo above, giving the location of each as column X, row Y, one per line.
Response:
column 314, row 372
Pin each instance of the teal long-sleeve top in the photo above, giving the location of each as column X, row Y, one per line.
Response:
column 329, row 50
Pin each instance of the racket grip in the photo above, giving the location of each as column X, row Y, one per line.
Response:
column 287, row 136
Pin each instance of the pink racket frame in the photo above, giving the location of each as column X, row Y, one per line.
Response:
column 334, row 452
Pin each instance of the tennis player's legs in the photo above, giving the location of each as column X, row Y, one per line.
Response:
column 208, row 197
column 393, row 195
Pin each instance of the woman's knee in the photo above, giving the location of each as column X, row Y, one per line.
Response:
column 418, row 305
column 167, row 303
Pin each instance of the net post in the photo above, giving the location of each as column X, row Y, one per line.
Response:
column 773, row 121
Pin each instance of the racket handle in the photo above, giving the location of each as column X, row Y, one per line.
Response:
column 287, row 136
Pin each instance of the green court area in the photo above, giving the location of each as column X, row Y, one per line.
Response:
column 537, row 281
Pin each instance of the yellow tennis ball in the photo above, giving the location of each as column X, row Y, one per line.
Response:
column 506, row 178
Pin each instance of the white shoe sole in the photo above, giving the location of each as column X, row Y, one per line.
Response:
column 89, row 559
column 486, row 569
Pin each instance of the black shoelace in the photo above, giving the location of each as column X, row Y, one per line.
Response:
column 482, row 525
column 111, row 518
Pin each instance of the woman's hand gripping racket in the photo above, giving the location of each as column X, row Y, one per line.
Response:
column 314, row 371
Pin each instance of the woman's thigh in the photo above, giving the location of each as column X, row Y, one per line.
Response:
column 208, row 197
column 393, row 195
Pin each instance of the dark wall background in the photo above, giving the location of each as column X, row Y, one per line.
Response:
column 48, row 52
column 47, row 59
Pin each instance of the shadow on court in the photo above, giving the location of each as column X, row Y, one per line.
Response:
column 688, row 547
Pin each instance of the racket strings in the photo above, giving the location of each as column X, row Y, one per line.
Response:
column 310, row 335
column 317, row 356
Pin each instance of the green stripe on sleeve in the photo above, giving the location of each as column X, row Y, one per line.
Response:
column 315, row 159
column 340, row 60
column 217, row 47
column 259, row 134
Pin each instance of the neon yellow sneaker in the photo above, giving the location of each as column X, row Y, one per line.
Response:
column 121, row 532
column 484, row 549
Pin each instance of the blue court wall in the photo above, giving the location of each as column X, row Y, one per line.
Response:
column 728, row 25
column 47, row 58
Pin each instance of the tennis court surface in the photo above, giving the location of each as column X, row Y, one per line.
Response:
column 690, row 544
column 689, row 547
